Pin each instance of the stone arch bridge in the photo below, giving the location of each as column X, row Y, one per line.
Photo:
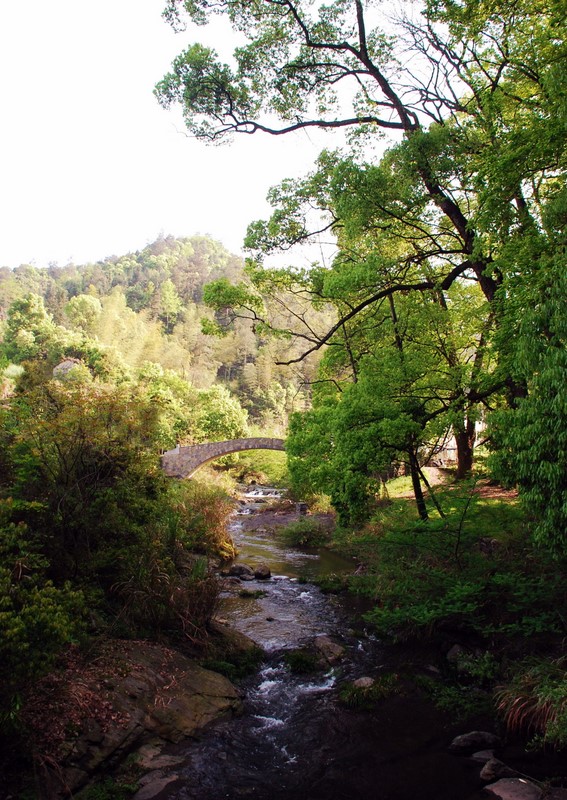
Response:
column 182, row 462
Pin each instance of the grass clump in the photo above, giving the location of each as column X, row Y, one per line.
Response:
column 461, row 702
column 305, row 532
column 301, row 661
column 236, row 665
column 534, row 701
column 362, row 697
column 109, row 789
column 332, row 583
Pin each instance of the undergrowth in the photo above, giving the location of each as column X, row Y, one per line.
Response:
column 301, row 661
column 235, row 665
column 534, row 700
column 475, row 577
column 365, row 697
column 305, row 532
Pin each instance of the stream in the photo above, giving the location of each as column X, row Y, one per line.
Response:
column 294, row 739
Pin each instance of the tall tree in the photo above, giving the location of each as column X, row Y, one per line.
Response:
column 474, row 95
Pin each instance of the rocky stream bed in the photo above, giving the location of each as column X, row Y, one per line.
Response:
column 294, row 739
column 286, row 732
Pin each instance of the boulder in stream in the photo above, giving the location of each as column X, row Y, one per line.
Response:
column 514, row 789
column 331, row 652
column 495, row 769
column 242, row 571
column 364, row 683
column 262, row 572
column 145, row 692
column 468, row 743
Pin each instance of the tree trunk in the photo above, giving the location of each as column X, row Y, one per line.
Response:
column 417, row 490
column 465, row 439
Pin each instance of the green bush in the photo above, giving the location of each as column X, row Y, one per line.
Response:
column 458, row 700
column 305, row 532
column 301, row 662
column 37, row 619
column 236, row 665
column 534, row 701
column 474, row 571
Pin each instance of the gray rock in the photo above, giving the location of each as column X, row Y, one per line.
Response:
column 474, row 740
column 482, row 756
column 234, row 640
column 153, row 784
column 262, row 572
column 330, row 651
column 242, row 571
column 363, row 683
column 164, row 695
column 455, row 654
column 514, row 789
column 495, row 769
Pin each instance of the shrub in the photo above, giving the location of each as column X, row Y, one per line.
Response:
column 162, row 597
column 199, row 514
column 534, row 702
column 459, row 701
column 236, row 665
column 305, row 532
column 301, row 662
column 37, row 619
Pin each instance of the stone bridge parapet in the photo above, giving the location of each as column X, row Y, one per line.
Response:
column 183, row 461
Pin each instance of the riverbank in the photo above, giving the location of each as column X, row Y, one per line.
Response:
column 380, row 716
column 309, row 735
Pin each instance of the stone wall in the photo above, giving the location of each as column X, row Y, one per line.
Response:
column 182, row 462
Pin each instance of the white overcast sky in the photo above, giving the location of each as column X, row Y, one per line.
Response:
column 90, row 165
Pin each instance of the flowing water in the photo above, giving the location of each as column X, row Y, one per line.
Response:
column 293, row 739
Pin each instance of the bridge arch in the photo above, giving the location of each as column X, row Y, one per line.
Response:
column 184, row 461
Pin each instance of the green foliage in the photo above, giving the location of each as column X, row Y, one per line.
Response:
column 168, row 592
column 37, row 618
column 220, row 415
column 534, row 701
column 454, row 698
column 481, row 667
column 29, row 328
column 93, row 520
column 267, row 467
column 109, row 789
column 170, row 305
column 201, row 515
column 332, row 583
column 450, row 245
column 531, row 439
column 83, row 311
column 305, row 532
column 301, row 661
column 126, row 315
column 366, row 697
column 236, row 665
column 453, row 575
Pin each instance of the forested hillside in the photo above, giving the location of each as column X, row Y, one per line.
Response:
column 146, row 308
